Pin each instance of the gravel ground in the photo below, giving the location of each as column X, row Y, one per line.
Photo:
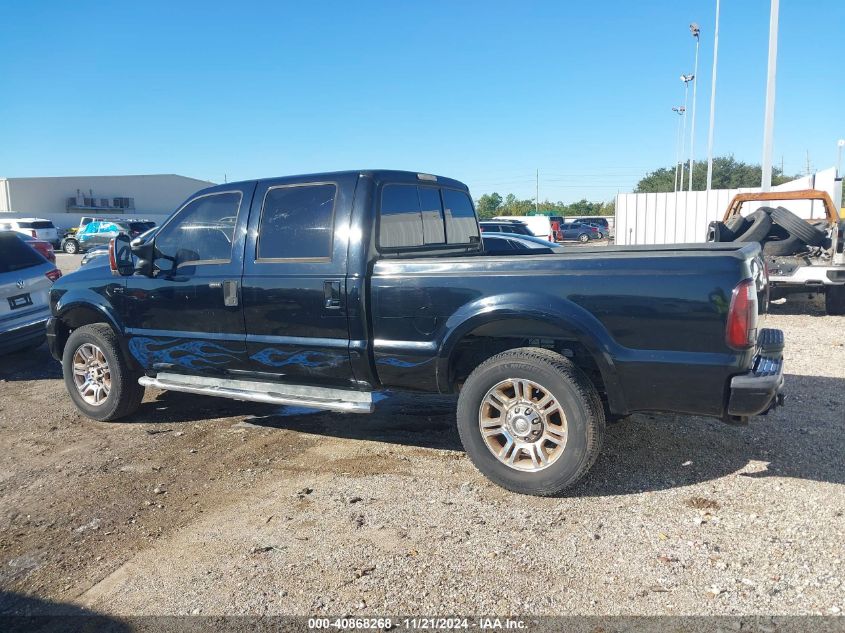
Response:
column 203, row 506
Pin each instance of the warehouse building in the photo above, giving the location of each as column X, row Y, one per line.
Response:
column 64, row 199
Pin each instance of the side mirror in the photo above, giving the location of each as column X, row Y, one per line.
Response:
column 120, row 256
column 145, row 252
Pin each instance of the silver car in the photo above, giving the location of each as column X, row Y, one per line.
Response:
column 25, row 281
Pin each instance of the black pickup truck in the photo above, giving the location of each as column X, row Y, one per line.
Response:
column 319, row 290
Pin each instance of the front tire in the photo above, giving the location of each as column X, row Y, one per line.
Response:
column 531, row 421
column 70, row 247
column 100, row 383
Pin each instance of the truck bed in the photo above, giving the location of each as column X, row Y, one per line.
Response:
column 652, row 319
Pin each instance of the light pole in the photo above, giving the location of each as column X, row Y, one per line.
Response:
column 839, row 144
column 712, row 102
column 686, row 79
column 680, row 111
column 695, row 33
column 769, row 123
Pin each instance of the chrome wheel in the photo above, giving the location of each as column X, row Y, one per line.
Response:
column 523, row 424
column 91, row 374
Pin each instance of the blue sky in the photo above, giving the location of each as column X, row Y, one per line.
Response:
column 485, row 92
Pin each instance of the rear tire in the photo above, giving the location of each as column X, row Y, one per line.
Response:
column 583, row 238
column 834, row 300
column 797, row 227
column 115, row 392
column 70, row 247
column 719, row 232
column 574, row 407
column 761, row 224
column 738, row 225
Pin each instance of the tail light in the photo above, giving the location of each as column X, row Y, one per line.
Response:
column 741, row 330
column 54, row 274
column 594, row 229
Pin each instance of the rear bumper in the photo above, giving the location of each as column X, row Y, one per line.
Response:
column 761, row 389
column 23, row 335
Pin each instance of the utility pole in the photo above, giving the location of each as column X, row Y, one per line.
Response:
column 686, row 79
column 769, row 121
column 712, row 102
column 537, row 199
column 808, row 162
column 695, row 33
column 680, row 111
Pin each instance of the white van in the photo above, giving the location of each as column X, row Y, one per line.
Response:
column 539, row 225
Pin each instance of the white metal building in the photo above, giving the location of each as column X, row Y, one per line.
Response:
column 64, row 199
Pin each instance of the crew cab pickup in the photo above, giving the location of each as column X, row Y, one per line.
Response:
column 320, row 290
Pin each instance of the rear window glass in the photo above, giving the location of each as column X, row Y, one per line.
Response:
column 400, row 223
column 297, row 222
column 414, row 216
column 461, row 227
column 43, row 224
column 15, row 254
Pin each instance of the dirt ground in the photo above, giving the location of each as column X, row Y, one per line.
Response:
column 201, row 505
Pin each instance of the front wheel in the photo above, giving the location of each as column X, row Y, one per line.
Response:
column 530, row 421
column 96, row 375
column 70, row 247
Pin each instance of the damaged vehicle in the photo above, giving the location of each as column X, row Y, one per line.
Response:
column 803, row 241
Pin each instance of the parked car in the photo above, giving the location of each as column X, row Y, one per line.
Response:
column 804, row 255
column 600, row 222
column 99, row 232
column 515, row 244
column 329, row 287
column 45, row 249
column 505, row 226
column 25, row 280
column 38, row 228
column 577, row 231
column 540, row 225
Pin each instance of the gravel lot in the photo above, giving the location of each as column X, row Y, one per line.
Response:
column 200, row 505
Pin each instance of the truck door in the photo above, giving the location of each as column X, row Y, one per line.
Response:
column 189, row 315
column 294, row 280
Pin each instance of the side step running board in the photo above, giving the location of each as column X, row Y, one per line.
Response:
column 344, row 400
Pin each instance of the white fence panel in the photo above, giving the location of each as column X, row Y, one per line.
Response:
column 683, row 217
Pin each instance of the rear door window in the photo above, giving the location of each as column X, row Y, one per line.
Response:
column 15, row 254
column 297, row 222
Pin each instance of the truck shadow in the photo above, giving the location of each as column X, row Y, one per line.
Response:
column 647, row 452
column 802, row 440
column 19, row 612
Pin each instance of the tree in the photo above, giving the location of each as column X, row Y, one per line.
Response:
column 728, row 173
column 488, row 205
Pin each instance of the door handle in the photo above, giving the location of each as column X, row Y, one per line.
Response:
column 331, row 295
column 230, row 293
